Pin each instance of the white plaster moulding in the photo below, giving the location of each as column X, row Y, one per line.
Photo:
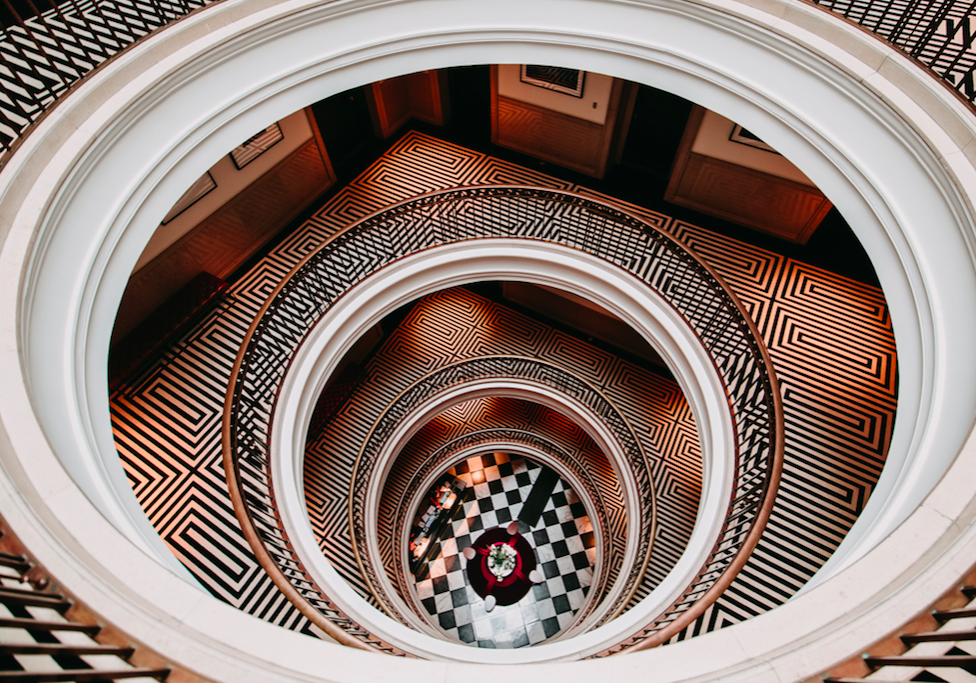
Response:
column 890, row 147
column 538, row 263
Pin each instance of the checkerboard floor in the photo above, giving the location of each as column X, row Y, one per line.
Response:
column 565, row 549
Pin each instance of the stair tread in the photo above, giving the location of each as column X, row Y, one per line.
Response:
column 80, row 675
column 946, row 636
column 40, row 625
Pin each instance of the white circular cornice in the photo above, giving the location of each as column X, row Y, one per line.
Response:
column 78, row 202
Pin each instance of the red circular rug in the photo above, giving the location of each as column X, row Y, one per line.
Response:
column 513, row 587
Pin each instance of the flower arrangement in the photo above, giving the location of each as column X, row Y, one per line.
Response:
column 501, row 559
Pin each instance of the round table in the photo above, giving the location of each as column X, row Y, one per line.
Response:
column 513, row 587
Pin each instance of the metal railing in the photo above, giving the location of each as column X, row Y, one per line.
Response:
column 937, row 34
column 64, row 630
column 653, row 257
column 528, row 370
column 253, row 499
column 614, row 538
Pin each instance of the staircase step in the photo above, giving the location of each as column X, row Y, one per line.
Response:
column 20, row 596
column 969, row 591
column 938, row 636
column 960, row 661
column 38, row 625
column 63, row 649
column 80, row 675
column 960, row 613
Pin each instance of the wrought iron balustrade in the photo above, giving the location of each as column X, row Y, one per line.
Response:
column 530, row 371
column 652, row 257
column 937, row 34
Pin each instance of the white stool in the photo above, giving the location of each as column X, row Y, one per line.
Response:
column 469, row 553
column 535, row 576
column 490, row 603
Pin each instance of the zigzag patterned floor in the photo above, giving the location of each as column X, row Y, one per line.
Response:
column 830, row 339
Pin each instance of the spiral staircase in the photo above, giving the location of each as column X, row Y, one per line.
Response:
column 709, row 514
column 368, row 464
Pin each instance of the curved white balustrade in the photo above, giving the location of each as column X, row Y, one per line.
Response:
column 78, row 202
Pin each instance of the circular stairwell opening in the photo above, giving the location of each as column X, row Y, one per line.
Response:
column 480, row 497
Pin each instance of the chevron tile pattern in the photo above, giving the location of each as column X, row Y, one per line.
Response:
column 167, row 428
column 830, row 339
column 832, row 345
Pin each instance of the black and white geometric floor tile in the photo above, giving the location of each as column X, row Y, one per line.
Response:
column 564, row 546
